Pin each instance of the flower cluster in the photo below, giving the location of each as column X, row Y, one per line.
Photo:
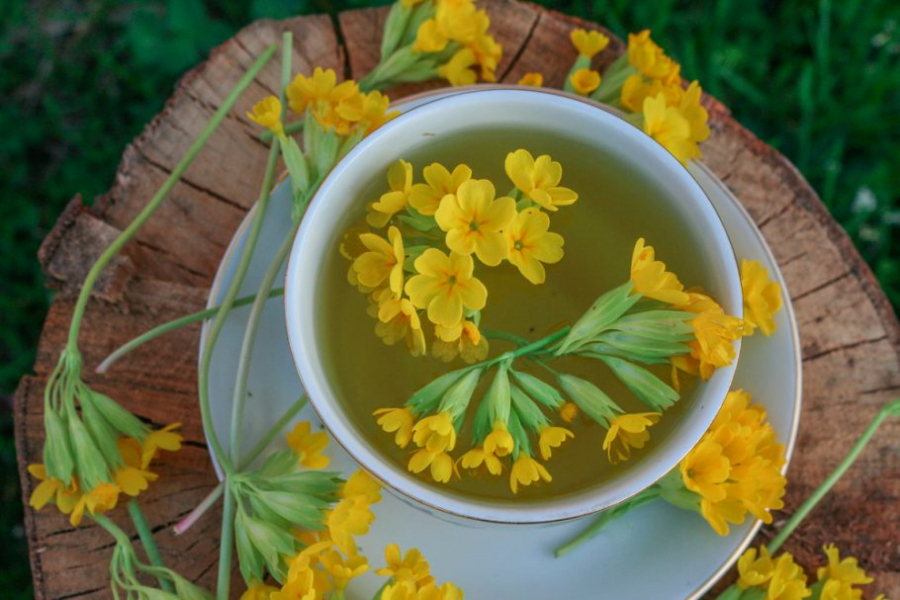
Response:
column 762, row 575
column 131, row 477
column 424, row 39
column 423, row 270
column 646, row 83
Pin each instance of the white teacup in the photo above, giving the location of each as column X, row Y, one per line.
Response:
column 523, row 109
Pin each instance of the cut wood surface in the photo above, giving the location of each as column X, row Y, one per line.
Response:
column 850, row 335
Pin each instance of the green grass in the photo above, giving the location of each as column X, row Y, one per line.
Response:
column 818, row 80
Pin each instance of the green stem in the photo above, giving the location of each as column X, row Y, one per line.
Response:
column 608, row 515
column 172, row 326
column 143, row 529
column 223, row 583
column 171, row 180
column 529, row 348
column 507, row 337
column 246, row 356
column 890, row 409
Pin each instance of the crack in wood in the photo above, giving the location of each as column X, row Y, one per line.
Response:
column 813, row 357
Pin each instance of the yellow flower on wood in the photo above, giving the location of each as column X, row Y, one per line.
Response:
column 445, row 285
column 160, row 439
column 399, row 420
column 762, row 298
column 539, row 179
column 399, row 178
column 588, row 43
column 458, row 70
column 650, row 277
column 320, row 87
column 648, row 58
column 308, row 446
column 552, row 437
column 696, row 115
column 473, row 220
column 584, row 81
column 532, row 79
column 636, row 89
column 410, row 567
column 626, row 432
column 101, row 499
column 526, row 471
column 267, row 112
column 382, row 263
column 132, row 477
column 369, row 111
column 426, row 197
column 531, row 244
column 668, row 126
column 478, row 456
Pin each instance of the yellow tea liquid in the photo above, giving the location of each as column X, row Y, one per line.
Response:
column 600, row 230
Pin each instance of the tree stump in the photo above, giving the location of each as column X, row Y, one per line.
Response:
column 849, row 333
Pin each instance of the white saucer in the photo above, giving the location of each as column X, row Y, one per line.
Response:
column 656, row 552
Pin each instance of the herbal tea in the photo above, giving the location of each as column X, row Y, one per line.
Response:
column 516, row 335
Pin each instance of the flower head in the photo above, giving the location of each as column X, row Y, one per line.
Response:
column 398, row 320
column 319, row 90
column 705, row 470
column 349, row 518
column 463, row 340
column 588, row 43
column 426, row 197
column 649, row 59
column 435, row 433
column 160, row 439
column 552, row 437
column 267, row 112
column 442, row 467
column 539, row 179
column 650, row 277
column 636, row 89
column 478, row 456
column 399, row 420
column 714, row 335
column 133, row 477
column 755, row 570
column 762, row 298
column 308, row 446
column 474, row 219
column 383, row 261
column 341, row 569
column 367, row 111
column 399, row 178
column 411, row 566
column 841, row 576
column 626, row 432
column 568, row 411
column 362, row 486
column 584, row 81
column 458, row 70
column 531, row 244
column 532, row 79
column 257, row 590
column 445, row 285
column 499, row 442
column 525, row 471
column 668, row 126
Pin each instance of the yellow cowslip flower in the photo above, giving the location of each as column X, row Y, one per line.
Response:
column 788, row 580
column 399, row 420
column 458, row 70
column 650, row 277
column 552, row 437
column 400, row 590
column 267, row 112
column 453, row 21
column 71, row 500
column 442, row 467
column 368, row 111
column 133, row 477
column 648, row 58
column 755, row 571
column 478, row 456
column 463, row 340
column 257, row 590
column 300, row 587
column 538, row 179
column 714, row 336
column 445, row 286
column 361, row 485
column 636, row 89
column 532, row 79
column 382, row 263
column 720, row 514
column 399, row 177
column 407, row 590
column 435, row 433
column 499, row 441
column 584, row 81
column 531, row 244
column 705, row 470
column 161, row 439
column 696, row 115
column 762, row 298
column 840, row 575
column 398, row 320
column 568, row 411
column 474, row 219
column 321, row 87
column 426, row 197
column 349, row 518
column 101, row 499
column 626, row 432
column 525, row 471
column 308, row 446
column 341, row 569
column 588, row 43
column 669, row 127
column 410, row 567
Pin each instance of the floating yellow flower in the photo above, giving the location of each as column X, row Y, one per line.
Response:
column 705, row 470
column 435, row 433
column 588, row 43
column 383, row 261
column 525, row 471
column 463, row 340
column 390, row 203
column 308, row 446
column 321, row 87
column 552, row 437
column 445, row 286
column 410, row 567
column 257, row 590
column 626, row 432
column 478, row 456
column 398, row 320
column 568, row 411
column 499, row 441
column 458, row 70
column 473, row 220
column 532, row 79
column 426, row 197
column 531, row 244
column 539, row 179
column 440, row 462
column 399, row 420
column 668, row 126
column 267, row 112
column 650, row 277
column 648, row 58
column 762, row 298
column 584, row 81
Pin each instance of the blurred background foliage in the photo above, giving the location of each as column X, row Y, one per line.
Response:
column 819, row 80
